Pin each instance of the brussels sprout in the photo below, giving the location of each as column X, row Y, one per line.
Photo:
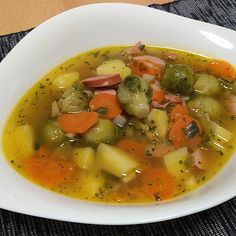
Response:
column 136, row 129
column 207, row 85
column 64, row 151
column 135, row 95
column 205, row 105
column 74, row 99
column 105, row 131
column 51, row 133
column 178, row 78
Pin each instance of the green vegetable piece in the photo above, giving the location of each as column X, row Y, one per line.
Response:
column 136, row 129
column 135, row 95
column 207, row 85
column 74, row 99
column 205, row 105
column 105, row 131
column 52, row 133
column 178, row 78
column 191, row 130
column 102, row 111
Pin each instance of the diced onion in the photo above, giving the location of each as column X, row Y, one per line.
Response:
column 55, row 109
column 70, row 135
column 231, row 104
column 128, row 177
column 119, row 120
column 148, row 77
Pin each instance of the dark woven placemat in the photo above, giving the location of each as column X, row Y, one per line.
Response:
column 220, row 220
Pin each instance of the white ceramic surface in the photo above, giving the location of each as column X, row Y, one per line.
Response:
column 88, row 27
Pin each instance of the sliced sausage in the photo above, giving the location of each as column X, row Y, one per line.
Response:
column 154, row 60
column 135, row 50
column 173, row 98
column 197, row 157
column 102, row 80
column 110, row 91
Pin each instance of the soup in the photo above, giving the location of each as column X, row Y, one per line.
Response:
column 124, row 124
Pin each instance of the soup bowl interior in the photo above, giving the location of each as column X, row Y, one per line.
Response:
column 85, row 28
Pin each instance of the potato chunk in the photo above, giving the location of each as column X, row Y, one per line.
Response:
column 66, row 80
column 84, row 157
column 23, row 140
column 114, row 160
column 158, row 119
column 114, row 66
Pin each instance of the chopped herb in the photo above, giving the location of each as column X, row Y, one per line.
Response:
column 102, row 111
column 149, row 93
column 232, row 117
column 133, row 83
column 86, row 62
column 106, row 53
column 167, row 142
column 157, row 197
column 221, row 153
column 152, row 122
column 95, row 54
column 142, row 47
column 148, row 153
column 153, row 128
column 154, row 142
column 36, row 146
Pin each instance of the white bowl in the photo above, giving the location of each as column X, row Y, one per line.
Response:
column 76, row 31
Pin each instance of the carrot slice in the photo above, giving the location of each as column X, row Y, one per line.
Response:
column 144, row 67
column 222, row 69
column 43, row 152
column 105, row 102
column 48, row 170
column 135, row 148
column 177, row 135
column 78, row 122
column 177, row 112
column 157, row 182
column 158, row 96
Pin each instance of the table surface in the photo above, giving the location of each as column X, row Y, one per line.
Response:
column 220, row 220
column 24, row 14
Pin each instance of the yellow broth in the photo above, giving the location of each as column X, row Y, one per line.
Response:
column 34, row 108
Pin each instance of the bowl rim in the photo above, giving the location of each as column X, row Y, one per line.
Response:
column 204, row 206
